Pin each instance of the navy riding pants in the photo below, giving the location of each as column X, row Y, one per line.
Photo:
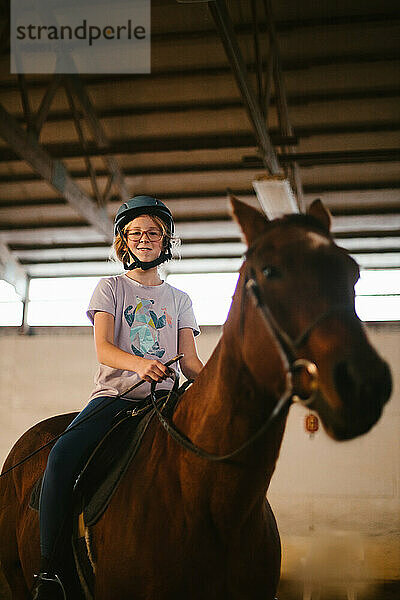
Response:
column 66, row 460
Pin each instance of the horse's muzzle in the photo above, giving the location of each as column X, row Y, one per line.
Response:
column 361, row 389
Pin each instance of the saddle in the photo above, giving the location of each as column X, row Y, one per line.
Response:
column 99, row 478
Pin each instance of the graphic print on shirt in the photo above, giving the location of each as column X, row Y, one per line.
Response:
column 144, row 325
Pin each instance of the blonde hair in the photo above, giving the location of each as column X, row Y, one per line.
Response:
column 119, row 251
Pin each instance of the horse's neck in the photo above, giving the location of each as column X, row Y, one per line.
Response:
column 223, row 409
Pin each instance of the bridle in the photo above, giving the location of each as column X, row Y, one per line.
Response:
column 287, row 348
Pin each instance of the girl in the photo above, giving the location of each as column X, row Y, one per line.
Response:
column 140, row 322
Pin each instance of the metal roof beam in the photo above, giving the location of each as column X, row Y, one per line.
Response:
column 190, row 265
column 43, row 111
column 50, row 235
column 217, row 70
column 144, row 170
column 342, row 225
column 148, row 144
column 351, row 200
column 76, row 87
column 294, row 99
column 285, row 126
column 225, row 27
column 53, row 172
column 376, row 245
column 284, row 26
column 287, row 26
column 189, row 143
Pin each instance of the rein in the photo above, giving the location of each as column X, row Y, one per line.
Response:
column 187, row 443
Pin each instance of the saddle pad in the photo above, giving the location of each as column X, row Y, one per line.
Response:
column 108, row 463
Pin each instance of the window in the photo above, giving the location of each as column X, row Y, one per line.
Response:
column 378, row 295
column 211, row 294
column 64, row 300
column 60, row 300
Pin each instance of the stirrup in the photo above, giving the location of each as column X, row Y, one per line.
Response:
column 46, row 580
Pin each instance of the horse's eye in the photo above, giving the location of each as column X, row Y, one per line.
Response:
column 271, row 272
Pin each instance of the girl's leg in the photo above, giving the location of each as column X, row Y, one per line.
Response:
column 65, row 461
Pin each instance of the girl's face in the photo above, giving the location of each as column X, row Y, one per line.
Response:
column 145, row 238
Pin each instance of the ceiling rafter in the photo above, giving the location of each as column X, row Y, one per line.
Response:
column 217, row 104
column 75, row 86
column 212, row 196
column 43, row 111
column 144, row 145
column 282, row 26
column 282, row 105
column 53, row 172
column 127, row 146
column 90, row 170
column 25, row 101
column 223, row 227
column 220, row 70
column 225, row 27
column 50, row 255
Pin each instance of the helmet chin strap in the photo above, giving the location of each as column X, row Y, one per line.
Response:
column 139, row 264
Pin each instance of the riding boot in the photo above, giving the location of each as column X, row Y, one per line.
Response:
column 48, row 585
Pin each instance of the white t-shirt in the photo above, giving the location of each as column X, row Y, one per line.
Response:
column 147, row 321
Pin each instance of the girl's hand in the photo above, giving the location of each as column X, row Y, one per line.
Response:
column 151, row 369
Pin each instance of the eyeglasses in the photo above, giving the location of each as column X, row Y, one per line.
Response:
column 154, row 235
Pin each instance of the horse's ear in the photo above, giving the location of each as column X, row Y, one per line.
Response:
column 252, row 221
column 320, row 212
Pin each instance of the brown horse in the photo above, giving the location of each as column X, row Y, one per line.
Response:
column 180, row 525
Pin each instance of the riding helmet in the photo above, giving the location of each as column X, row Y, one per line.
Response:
column 143, row 205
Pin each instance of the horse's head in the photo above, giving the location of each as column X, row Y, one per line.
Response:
column 303, row 286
